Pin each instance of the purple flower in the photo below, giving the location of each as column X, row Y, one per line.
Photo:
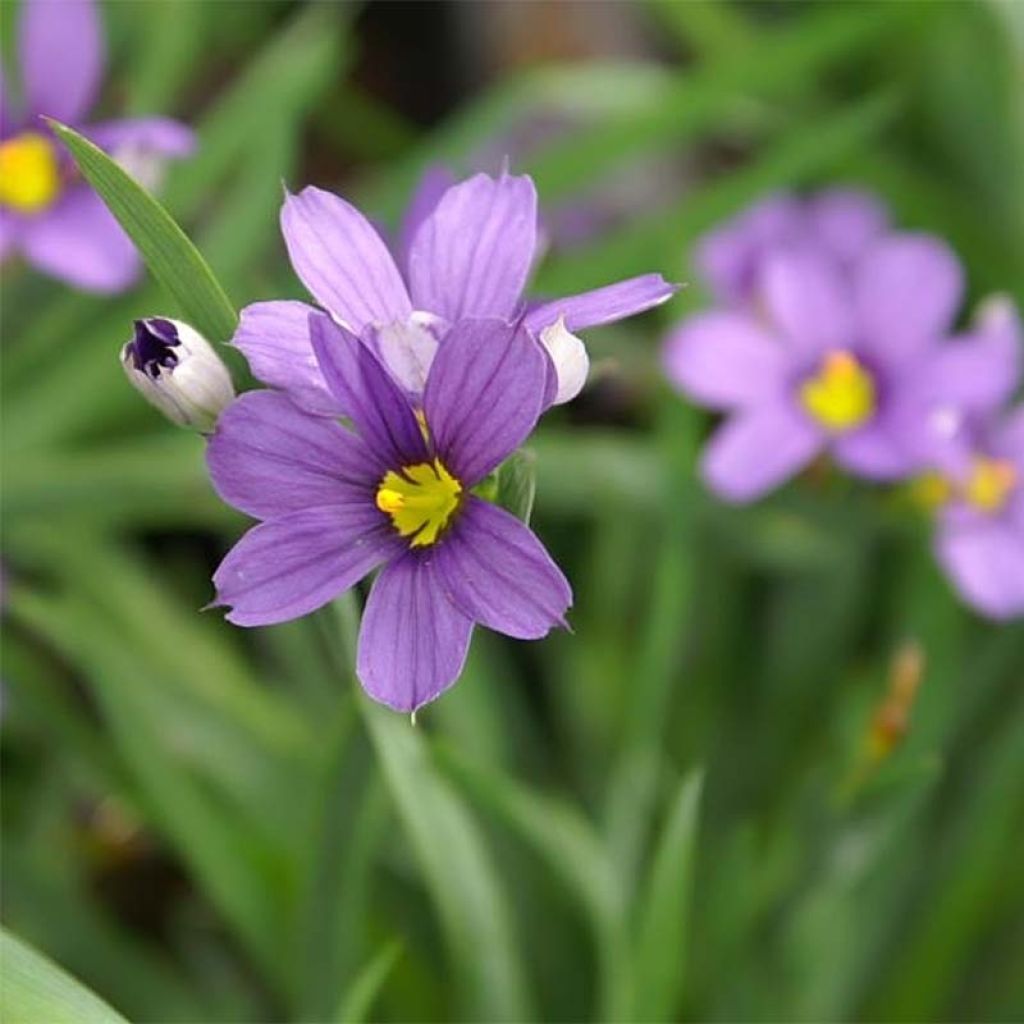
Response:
column 857, row 362
column 398, row 493
column 46, row 212
column 465, row 251
column 837, row 224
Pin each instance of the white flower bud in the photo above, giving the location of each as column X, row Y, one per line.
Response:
column 569, row 355
column 177, row 370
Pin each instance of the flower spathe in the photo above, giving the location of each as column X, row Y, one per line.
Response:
column 396, row 492
column 857, row 361
column 466, row 251
column 47, row 213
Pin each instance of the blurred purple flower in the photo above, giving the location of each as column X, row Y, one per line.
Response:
column 46, row 212
column 396, row 493
column 857, row 362
column 465, row 251
column 838, row 224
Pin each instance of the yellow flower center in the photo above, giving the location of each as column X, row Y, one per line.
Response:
column 841, row 395
column 990, row 483
column 29, row 175
column 420, row 500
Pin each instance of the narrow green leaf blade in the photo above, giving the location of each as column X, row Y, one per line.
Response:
column 171, row 257
column 357, row 1002
column 665, row 910
column 35, row 989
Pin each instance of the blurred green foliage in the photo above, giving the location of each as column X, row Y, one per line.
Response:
column 675, row 813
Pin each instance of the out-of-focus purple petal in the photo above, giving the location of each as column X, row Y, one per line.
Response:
column 498, row 573
column 160, row 135
column 268, row 458
column 342, row 260
column 986, row 564
column 433, row 183
column 78, row 241
column 908, row 288
column 413, row 640
column 726, row 360
column 876, row 451
column 368, row 394
column 727, row 258
column 1009, row 440
column 603, row 305
column 808, row 302
column 483, row 395
column 274, row 338
column 847, row 220
column 9, row 232
column 758, row 449
column 472, row 255
column 294, row 564
column 62, row 55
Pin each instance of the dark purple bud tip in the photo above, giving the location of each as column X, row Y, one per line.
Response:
column 154, row 345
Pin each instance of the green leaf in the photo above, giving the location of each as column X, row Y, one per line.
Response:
column 37, row 991
column 357, row 1002
column 171, row 257
column 664, row 924
column 457, row 869
column 517, row 484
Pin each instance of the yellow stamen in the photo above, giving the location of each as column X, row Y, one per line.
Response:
column 990, row 483
column 29, row 176
column 841, row 395
column 420, row 499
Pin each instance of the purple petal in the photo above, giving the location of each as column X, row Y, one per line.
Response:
column 413, row 640
column 342, row 260
column 268, row 458
column 62, row 54
column 294, row 564
column 847, row 220
column 483, row 395
column 726, row 360
column 79, row 241
column 434, row 182
column 274, row 337
column 603, row 305
column 10, row 232
column 159, row 135
column 370, row 397
column 758, row 449
column 907, row 288
column 806, row 299
column 876, row 451
column 498, row 573
column 986, row 564
column 472, row 255
column 1009, row 439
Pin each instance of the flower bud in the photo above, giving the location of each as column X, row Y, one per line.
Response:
column 178, row 371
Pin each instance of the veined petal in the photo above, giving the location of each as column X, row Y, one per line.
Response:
column 472, row 255
column 726, row 360
column 274, row 338
column 433, row 184
column 497, row 571
column 986, row 564
column 603, row 305
column 62, row 55
column 807, row 301
column 368, row 394
column 907, row 288
column 758, row 449
column 483, row 395
column 342, row 260
column 294, row 564
column 79, row 241
column 268, row 458
column 413, row 640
